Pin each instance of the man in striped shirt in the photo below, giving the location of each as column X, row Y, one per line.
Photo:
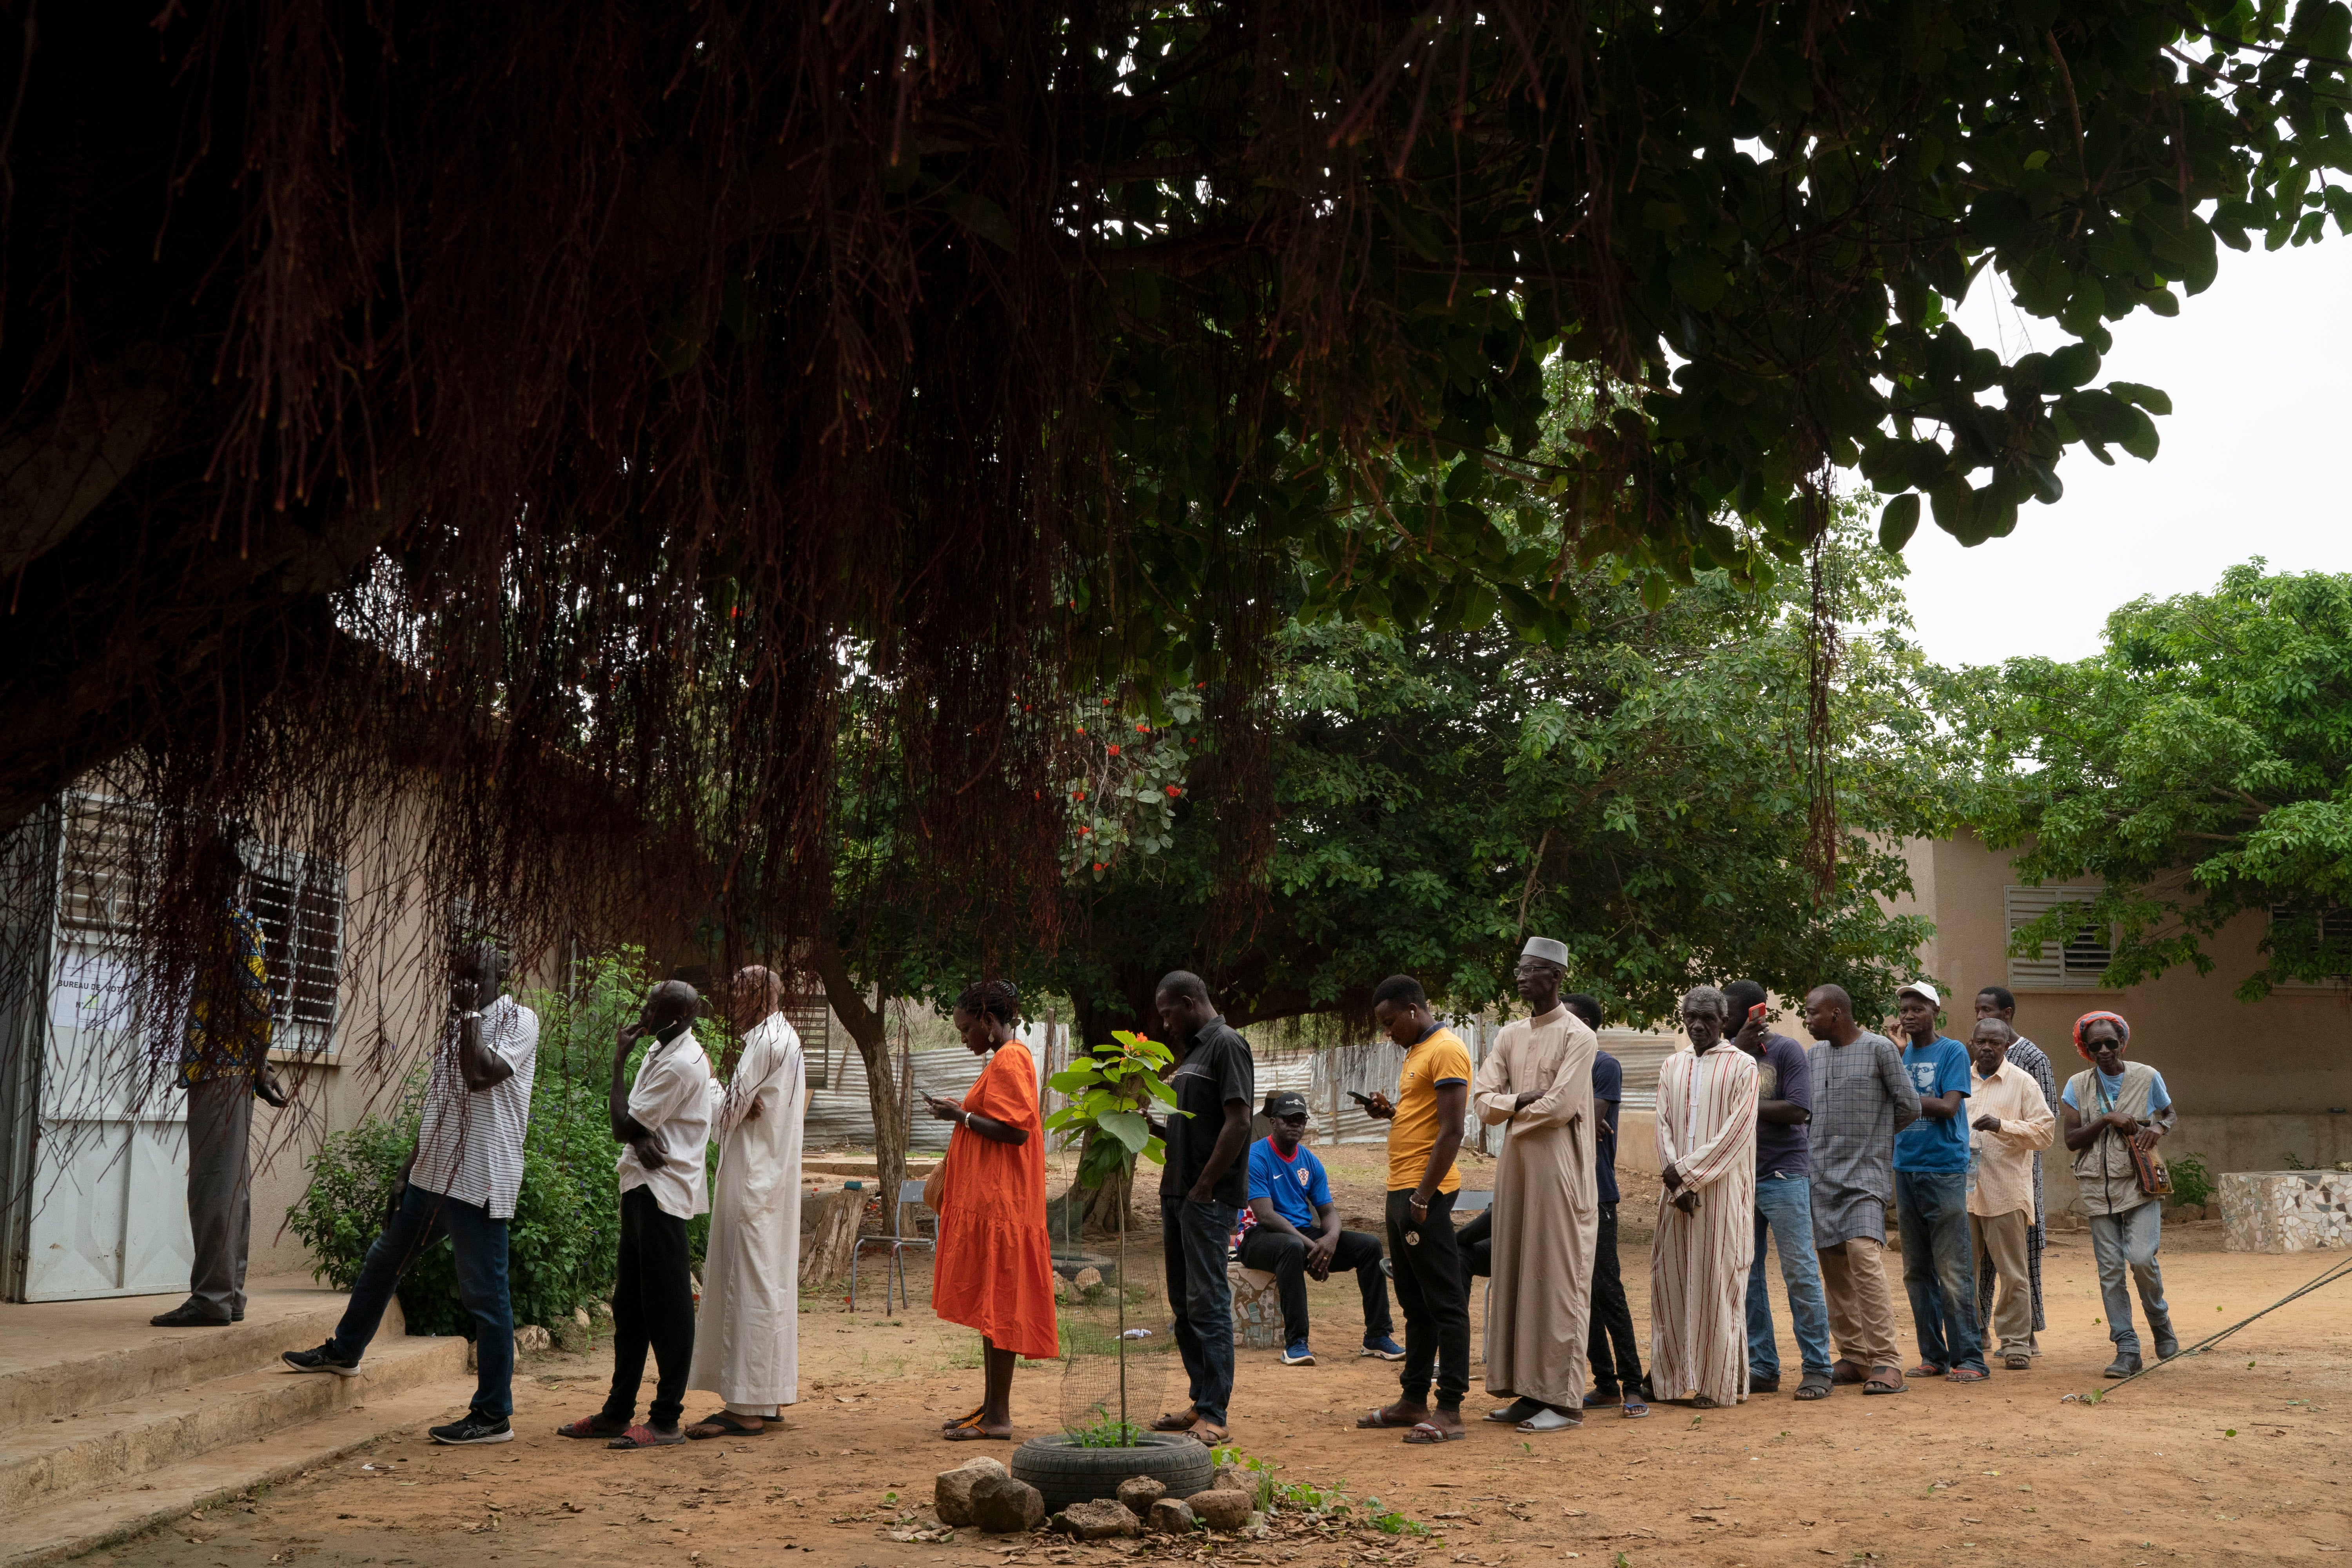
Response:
column 460, row 1181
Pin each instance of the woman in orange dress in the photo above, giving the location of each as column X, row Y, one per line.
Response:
column 995, row 1269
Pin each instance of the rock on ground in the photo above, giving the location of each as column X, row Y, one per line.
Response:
column 952, row 1490
column 1002, row 1505
column 1172, row 1516
column 1138, row 1493
column 1098, row 1520
column 1226, row 1509
column 1231, row 1477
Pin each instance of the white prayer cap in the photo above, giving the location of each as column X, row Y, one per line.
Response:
column 1547, row 949
column 1921, row 989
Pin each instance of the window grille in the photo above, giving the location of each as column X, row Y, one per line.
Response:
column 297, row 901
column 107, row 841
column 2334, row 934
column 2075, row 965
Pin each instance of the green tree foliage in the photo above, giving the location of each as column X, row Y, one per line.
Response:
column 2200, row 766
column 1638, row 792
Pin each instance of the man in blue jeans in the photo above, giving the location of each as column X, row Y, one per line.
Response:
column 1931, row 1195
column 1201, row 1189
column 1784, row 1200
column 460, row 1181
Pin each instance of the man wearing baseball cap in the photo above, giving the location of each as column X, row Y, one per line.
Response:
column 1297, row 1235
column 1931, row 1193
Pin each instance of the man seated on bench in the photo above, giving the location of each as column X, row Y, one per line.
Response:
column 1297, row 1235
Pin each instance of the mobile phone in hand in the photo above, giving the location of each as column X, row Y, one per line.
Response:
column 1756, row 1013
column 1360, row 1097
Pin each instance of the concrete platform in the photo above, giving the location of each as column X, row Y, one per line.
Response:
column 109, row 1425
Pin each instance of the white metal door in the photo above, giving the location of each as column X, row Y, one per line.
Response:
column 109, row 1205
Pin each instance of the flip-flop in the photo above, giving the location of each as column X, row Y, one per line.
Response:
column 1171, row 1421
column 966, row 1419
column 1926, row 1369
column 587, row 1426
column 1635, row 1409
column 973, row 1433
column 1380, row 1418
column 643, row 1436
column 1425, row 1435
column 1604, row 1401
column 1965, row 1374
column 1550, row 1420
column 729, row 1425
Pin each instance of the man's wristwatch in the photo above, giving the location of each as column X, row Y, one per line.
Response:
column 471, row 1013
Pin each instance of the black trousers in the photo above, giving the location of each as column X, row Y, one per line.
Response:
column 1284, row 1256
column 1613, row 1320
column 1436, row 1306
column 653, row 1308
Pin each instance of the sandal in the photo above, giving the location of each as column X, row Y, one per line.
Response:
column 1207, row 1432
column 1634, row 1408
column 1387, row 1416
column 1965, row 1374
column 1426, row 1433
column 973, row 1433
column 1929, row 1369
column 1814, row 1387
column 1885, row 1380
column 1849, row 1372
column 1173, row 1420
column 724, row 1424
column 966, row 1419
column 643, row 1436
column 594, row 1427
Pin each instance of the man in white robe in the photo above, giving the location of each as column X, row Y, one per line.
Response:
column 747, row 1334
column 1706, row 1214
column 1537, row 1084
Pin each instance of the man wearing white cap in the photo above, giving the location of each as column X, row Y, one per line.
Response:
column 1931, row 1195
column 1537, row 1084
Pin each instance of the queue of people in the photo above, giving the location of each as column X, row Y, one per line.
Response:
column 1758, row 1137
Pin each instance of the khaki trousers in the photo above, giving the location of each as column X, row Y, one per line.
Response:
column 2004, row 1238
column 1861, row 1314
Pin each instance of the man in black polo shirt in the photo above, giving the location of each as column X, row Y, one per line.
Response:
column 1201, row 1191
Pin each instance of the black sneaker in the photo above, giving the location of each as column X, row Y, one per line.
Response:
column 324, row 1359
column 475, row 1427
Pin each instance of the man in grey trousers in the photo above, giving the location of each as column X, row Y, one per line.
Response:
column 225, row 1065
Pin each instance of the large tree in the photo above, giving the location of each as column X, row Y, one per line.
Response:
column 615, row 375
column 2199, row 767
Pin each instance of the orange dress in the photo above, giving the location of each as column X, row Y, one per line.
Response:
column 995, row 1269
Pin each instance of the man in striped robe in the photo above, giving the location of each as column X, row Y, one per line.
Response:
column 1706, row 1235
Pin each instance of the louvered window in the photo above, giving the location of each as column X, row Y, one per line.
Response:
column 299, row 901
column 108, row 842
column 2075, row 965
column 812, row 1020
column 2335, row 934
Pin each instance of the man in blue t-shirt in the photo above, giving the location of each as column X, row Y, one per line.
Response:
column 1297, row 1235
column 1931, row 1195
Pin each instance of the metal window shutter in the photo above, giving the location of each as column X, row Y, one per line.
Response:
column 2051, row 971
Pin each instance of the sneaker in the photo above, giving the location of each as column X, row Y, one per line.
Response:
column 475, row 1427
column 1383, row 1349
column 324, row 1359
column 1296, row 1354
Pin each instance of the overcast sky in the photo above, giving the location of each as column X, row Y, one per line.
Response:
column 2256, row 367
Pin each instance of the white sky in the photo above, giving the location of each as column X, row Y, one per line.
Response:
column 2255, row 366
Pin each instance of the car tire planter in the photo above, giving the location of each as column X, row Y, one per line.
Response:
column 1065, row 1473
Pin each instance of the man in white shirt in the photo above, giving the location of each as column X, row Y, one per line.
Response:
column 665, row 1119
column 747, row 1337
column 2010, row 1123
column 460, row 1181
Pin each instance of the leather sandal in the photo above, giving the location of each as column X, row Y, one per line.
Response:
column 1176, row 1420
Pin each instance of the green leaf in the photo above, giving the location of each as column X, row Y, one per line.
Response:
column 986, row 219
column 1129, row 1127
column 1697, row 275
column 1998, row 219
column 1898, row 522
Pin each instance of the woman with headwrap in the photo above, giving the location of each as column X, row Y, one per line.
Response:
column 995, row 1269
column 2108, row 1111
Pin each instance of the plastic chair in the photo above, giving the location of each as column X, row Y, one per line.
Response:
column 899, row 1242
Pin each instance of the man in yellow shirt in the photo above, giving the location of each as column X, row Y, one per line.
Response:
column 1424, row 1131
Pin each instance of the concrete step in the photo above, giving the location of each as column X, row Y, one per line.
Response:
column 58, row 1528
column 123, row 1442
column 59, row 1358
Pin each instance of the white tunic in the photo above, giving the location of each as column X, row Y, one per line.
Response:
column 1698, row 1263
column 747, row 1335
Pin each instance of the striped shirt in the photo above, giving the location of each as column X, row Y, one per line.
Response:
column 469, row 1141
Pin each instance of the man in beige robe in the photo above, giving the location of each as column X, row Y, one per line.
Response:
column 1537, row 1084
column 1707, row 1212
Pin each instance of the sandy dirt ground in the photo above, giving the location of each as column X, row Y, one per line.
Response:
column 2238, row 1454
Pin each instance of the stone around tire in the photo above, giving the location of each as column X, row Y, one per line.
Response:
column 1171, row 1516
column 1138, row 1493
column 952, row 1490
column 1100, row 1520
column 1221, row 1510
column 1003, row 1505
column 1065, row 1473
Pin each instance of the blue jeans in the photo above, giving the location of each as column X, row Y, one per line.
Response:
column 1198, row 1239
column 1940, row 1266
column 2125, row 1245
column 480, row 1244
column 1784, row 1205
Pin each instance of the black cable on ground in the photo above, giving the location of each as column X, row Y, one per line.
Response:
column 2333, row 1273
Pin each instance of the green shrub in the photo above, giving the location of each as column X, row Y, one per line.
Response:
column 2191, row 1181
column 565, row 1235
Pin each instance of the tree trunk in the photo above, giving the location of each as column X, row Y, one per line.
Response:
column 868, row 1027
